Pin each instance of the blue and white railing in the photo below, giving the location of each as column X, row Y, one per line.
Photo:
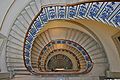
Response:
column 106, row 12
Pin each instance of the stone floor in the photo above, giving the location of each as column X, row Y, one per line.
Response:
column 28, row 77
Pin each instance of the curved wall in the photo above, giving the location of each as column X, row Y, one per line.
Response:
column 99, row 30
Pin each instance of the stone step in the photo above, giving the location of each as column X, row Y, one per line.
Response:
column 12, row 39
column 26, row 17
column 38, row 4
column 34, row 7
column 30, row 12
column 23, row 21
column 4, row 76
column 14, row 45
column 12, row 50
column 17, row 35
column 21, row 26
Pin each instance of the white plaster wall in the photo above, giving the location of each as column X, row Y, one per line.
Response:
column 14, row 11
column 4, row 6
column 3, row 58
column 3, row 42
column 3, row 66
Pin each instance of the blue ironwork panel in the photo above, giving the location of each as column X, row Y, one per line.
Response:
column 38, row 24
column 83, row 52
column 94, row 10
column 69, row 42
column 86, row 58
column 27, row 53
column 116, row 19
column 63, row 41
column 107, row 11
column 28, row 46
column 61, row 12
column 29, row 68
column 49, row 45
column 71, row 11
column 58, row 42
column 82, row 10
column 27, row 61
column 29, row 38
column 44, row 49
column 51, row 10
column 33, row 31
column 74, row 44
column 89, row 65
column 43, row 16
column 79, row 48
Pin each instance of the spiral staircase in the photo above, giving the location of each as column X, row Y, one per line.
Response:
column 27, row 24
